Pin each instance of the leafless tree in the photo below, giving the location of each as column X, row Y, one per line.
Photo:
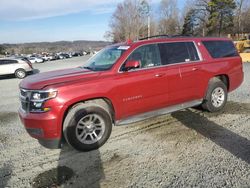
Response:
column 241, row 20
column 169, row 18
column 127, row 22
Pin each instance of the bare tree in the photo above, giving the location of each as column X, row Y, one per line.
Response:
column 238, row 17
column 245, row 21
column 127, row 22
column 169, row 18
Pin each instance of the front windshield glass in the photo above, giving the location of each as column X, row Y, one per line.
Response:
column 104, row 59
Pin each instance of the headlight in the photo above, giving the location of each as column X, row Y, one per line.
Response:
column 37, row 99
column 40, row 96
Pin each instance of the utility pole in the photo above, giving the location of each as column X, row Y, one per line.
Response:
column 145, row 11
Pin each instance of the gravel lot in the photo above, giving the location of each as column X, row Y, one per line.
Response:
column 188, row 148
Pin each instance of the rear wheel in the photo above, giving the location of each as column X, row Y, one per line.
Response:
column 20, row 73
column 216, row 96
column 87, row 126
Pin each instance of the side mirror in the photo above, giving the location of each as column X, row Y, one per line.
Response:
column 132, row 64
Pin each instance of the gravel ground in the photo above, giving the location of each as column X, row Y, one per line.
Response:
column 188, row 148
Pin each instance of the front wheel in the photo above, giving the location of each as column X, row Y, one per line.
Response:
column 216, row 96
column 87, row 127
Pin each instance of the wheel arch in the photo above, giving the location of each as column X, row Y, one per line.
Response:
column 225, row 79
column 103, row 101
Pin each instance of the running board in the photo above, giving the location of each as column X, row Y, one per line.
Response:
column 167, row 110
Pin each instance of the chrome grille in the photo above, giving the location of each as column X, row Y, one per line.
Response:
column 25, row 99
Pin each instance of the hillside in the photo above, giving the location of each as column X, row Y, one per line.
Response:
column 53, row 47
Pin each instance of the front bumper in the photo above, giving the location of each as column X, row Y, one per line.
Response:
column 51, row 143
column 42, row 126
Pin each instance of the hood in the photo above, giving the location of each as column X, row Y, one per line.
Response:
column 41, row 80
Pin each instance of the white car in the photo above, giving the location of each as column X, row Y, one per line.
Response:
column 47, row 58
column 36, row 60
column 18, row 66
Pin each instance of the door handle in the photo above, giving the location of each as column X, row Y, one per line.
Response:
column 159, row 75
column 194, row 69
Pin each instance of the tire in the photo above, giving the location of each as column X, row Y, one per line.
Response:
column 20, row 73
column 216, row 96
column 246, row 51
column 87, row 126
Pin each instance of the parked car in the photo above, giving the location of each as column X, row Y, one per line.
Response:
column 20, row 67
column 77, row 54
column 145, row 78
column 65, row 56
column 47, row 58
column 36, row 60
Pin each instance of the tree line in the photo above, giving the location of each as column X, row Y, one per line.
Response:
column 131, row 20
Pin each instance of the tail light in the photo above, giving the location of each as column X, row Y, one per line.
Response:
column 28, row 62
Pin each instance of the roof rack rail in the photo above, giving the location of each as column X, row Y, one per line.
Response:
column 165, row 36
column 155, row 36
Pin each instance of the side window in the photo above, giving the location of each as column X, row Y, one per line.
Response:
column 193, row 54
column 175, row 52
column 220, row 49
column 10, row 62
column 148, row 56
column 7, row 62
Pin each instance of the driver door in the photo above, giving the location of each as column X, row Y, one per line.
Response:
column 142, row 89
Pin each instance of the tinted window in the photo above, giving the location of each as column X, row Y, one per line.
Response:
column 148, row 55
column 2, row 62
column 11, row 61
column 7, row 62
column 192, row 51
column 220, row 49
column 177, row 52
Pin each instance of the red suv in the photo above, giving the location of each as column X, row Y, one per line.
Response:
column 126, row 83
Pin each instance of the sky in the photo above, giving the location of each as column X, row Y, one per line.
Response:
column 56, row 20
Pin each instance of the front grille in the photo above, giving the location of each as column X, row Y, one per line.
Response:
column 23, row 93
column 25, row 106
column 25, row 99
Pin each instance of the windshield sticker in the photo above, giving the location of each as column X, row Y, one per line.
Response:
column 123, row 47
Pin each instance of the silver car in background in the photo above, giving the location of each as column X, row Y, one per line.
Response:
column 20, row 67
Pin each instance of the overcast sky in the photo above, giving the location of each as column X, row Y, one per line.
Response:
column 54, row 20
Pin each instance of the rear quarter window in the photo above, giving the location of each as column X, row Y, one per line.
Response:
column 221, row 49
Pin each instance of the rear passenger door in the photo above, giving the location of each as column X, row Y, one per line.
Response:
column 191, row 74
column 183, row 71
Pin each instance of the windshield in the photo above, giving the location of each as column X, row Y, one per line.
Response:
column 104, row 59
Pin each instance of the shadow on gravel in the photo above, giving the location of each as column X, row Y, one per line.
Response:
column 230, row 141
column 74, row 169
column 5, row 175
column 230, row 108
column 7, row 77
